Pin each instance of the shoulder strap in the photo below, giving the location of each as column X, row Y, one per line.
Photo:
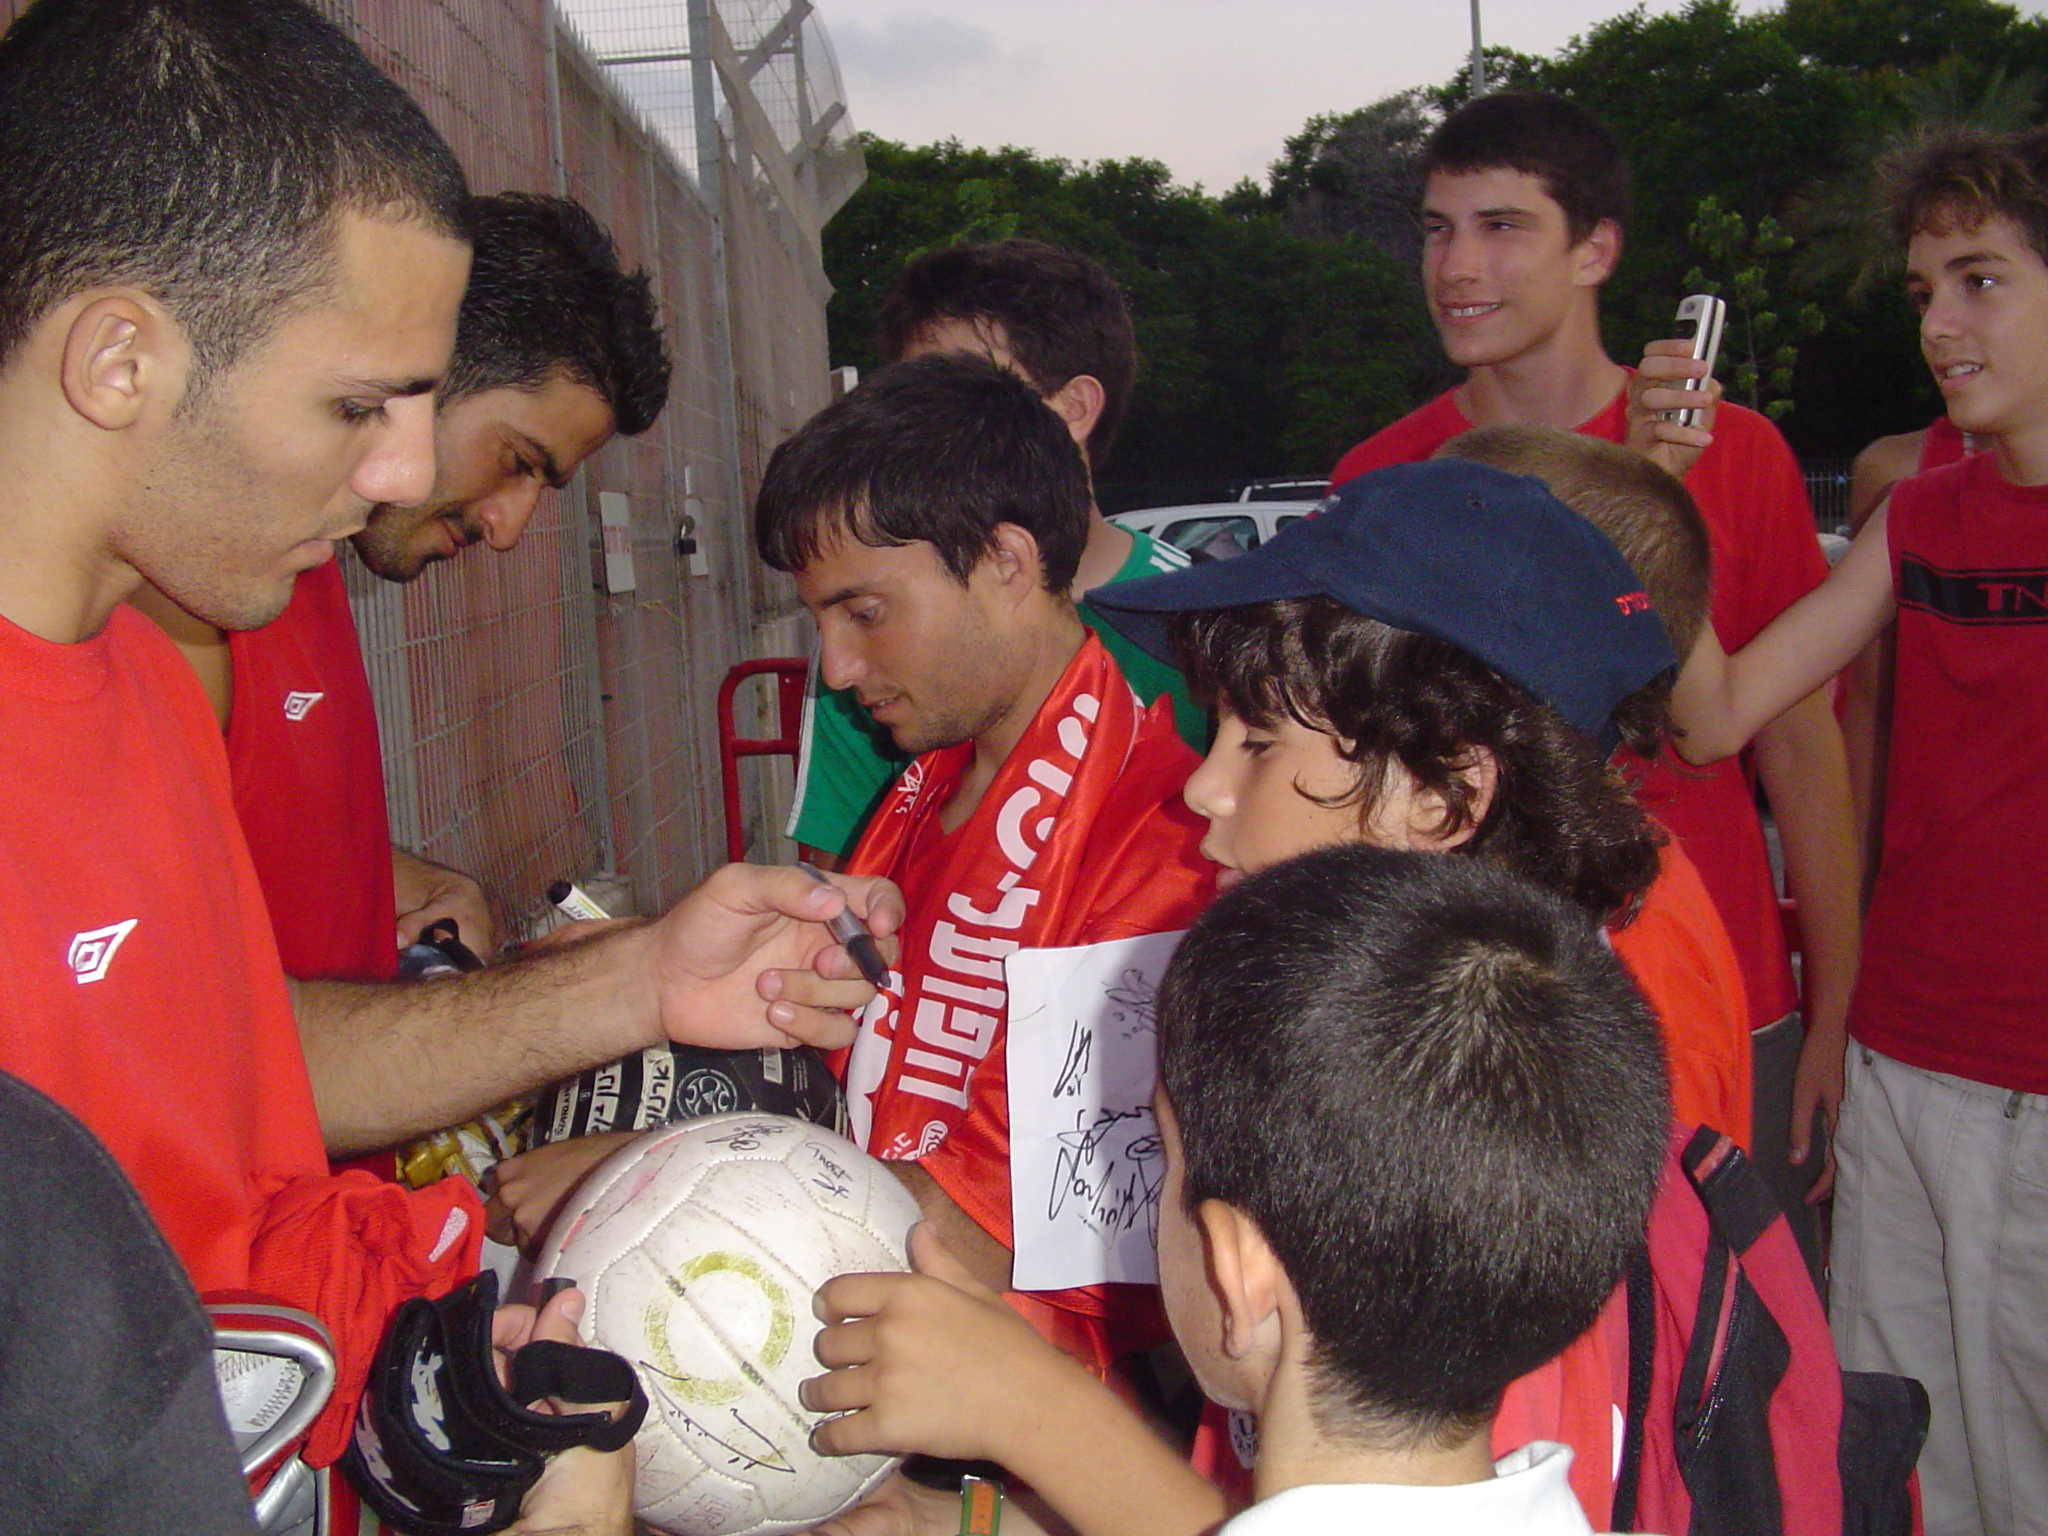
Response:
column 1642, row 1359
column 1738, row 1201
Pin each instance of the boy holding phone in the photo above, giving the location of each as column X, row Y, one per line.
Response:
column 1941, row 1237
column 1523, row 208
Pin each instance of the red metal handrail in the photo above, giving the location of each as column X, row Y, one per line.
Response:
column 790, row 672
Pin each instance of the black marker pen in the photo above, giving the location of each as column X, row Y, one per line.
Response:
column 853, row 933
column 570, row 899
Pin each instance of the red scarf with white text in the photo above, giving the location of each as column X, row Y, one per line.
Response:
column 1010, row 883
column 1080, row 838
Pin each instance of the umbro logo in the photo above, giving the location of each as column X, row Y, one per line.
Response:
column 93, row 951
column 909, row 787
column 298, row 705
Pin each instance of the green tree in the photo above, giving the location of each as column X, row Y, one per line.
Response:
column 981, row 216
column 1358, row 174
column 1263, row 351
column 1896, row 34
column 1847, row 244
column 1748, row 262
column 1281, row 321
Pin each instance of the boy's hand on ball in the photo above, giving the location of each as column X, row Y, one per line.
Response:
column 530, row 1188
column 583, row 1493
column 932, row 1361
column 752, row 935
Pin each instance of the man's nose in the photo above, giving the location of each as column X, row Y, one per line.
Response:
column 839, row 660
column 503, row 515
column 399, row 468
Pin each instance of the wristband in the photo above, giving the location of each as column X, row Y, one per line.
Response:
column 979, row 1484
column 981, row 1506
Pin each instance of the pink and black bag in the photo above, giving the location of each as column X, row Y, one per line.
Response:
column 1740, row 1420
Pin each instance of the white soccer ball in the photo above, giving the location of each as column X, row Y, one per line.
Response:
column 699, row 1246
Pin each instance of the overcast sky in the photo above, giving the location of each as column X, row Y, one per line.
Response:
column 1211, row 87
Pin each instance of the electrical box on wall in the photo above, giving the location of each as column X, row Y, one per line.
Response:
column 615, row 515
column 691, row 546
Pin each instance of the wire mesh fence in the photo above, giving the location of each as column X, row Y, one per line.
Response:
column 535, row 724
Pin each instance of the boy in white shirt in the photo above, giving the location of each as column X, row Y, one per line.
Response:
column 1414, row 1113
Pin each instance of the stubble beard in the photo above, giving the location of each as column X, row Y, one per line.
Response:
column 956, row 725
column 386, row 545
column 986, row 695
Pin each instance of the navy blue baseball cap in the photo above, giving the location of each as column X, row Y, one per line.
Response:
column 1491, row 562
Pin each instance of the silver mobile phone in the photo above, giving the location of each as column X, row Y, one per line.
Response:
column 1699, row 322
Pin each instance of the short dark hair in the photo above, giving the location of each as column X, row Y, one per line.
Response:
column 201, row 150
column 547, row 296
column 1644, row 512
column 940, row 450
column 1560, row 814
column 1062, row 315
column 1561, row 144
column 1437, row 1093
column 1962, row 176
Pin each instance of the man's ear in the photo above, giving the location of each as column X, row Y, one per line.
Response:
column 1078, row 403
column 1014, row 559
column 1597, row 255
column 1479, row 770
column 121, row 352
column 1249, row 1283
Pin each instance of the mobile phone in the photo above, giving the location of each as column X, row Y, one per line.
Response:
column 1699, row 322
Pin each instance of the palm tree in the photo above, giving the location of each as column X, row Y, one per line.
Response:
column 1847, row 246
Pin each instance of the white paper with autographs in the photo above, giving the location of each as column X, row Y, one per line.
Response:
column 1085, row 1157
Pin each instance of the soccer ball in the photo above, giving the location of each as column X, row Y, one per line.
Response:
column 698, row 1247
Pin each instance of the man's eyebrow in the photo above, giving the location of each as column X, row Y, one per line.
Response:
column 833, row 599
column 550, row 471
column 393, row 387
column 1957, row 263
column 1506, row 210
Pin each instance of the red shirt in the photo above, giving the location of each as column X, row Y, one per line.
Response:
column 1679, row 955
column 1956, row 939
column 140, row 988
column 309, row 786
column 1944, row 444
column 1766, row 557
column 1160, row 881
